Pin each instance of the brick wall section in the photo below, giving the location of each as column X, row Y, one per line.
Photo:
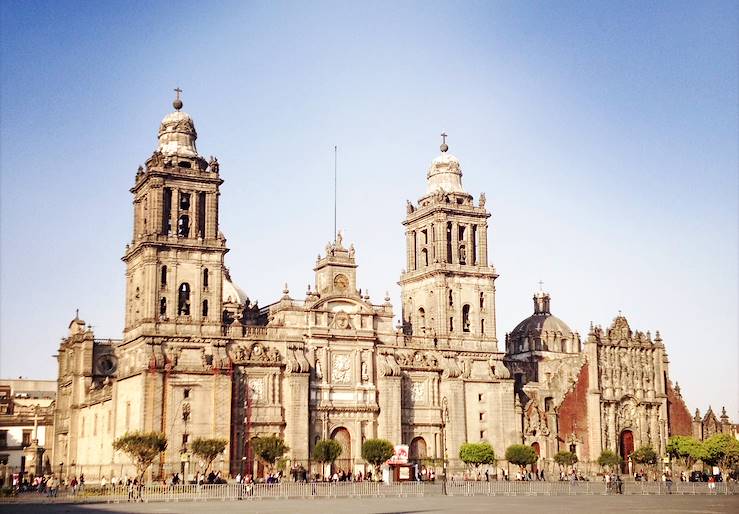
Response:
column 573, row 412
column 679, row 419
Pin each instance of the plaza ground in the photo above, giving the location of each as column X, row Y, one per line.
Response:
column 429, row 504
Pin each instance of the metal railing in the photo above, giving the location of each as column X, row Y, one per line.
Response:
column 285, row 490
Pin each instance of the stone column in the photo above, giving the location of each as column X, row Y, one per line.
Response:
column 194, row 214
column 174, row 211
column 456, row 425
column 612, row 436
column 468, row 244
column 358, row 366
column 210, row 225
column 654, row 428
column 482, row 234
column 409, row 250
column 370, row 365
column 440, row 240
column 297, row 417
column 455, row 243
column 389, row 419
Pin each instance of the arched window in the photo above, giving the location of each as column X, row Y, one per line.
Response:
column 205, row 308
column 183, row 300
column 482, row 325
column 163, row 306
column 451, row 298
column 421, row 318
column 482, row 301
column 205, row 278
column 465, row 318
column 163, row 279
column 425, row 257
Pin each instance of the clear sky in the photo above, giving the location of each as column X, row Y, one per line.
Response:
column 603, row 133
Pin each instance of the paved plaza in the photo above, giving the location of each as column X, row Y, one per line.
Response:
column 436, row 504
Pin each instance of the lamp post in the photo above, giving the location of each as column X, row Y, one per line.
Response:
column 444, row 418
column 61, row 467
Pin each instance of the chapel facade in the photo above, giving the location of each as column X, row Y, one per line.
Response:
column 198, row 358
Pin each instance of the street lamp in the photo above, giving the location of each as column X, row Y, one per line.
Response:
column 444, row 418
column 61, row 467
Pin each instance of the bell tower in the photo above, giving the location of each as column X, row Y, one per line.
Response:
column 174, row 264
column 448, row 288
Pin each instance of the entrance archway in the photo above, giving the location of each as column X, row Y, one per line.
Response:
column 344, row 438
column 626, row 447
column 418, row 449
column 537, row 449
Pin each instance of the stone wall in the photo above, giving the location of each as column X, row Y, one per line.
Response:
column 680, row 421
column 573, row 414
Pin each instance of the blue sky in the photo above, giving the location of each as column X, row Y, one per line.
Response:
column 604, row 135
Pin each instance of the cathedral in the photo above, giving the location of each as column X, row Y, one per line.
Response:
column 198, row 358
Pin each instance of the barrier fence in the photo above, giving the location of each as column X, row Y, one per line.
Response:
column 284, row 490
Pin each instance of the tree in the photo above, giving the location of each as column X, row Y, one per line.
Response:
column 377, row 451
column 326, row 451
column 721, row 450
column 476, row 454
column 208, row 449
column 521, row 455
column 608, row 459
column 269, row 449
column 686, row 449
column 143, row 448
column 565, row 458
column 645, row 455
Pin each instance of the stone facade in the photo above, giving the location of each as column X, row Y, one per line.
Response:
column 26, row 428
column 199, row 358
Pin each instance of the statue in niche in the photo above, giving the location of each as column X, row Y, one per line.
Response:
column 462, row 255
column 365, row 371
column 319, row 371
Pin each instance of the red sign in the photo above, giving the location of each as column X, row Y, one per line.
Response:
column 400, row 456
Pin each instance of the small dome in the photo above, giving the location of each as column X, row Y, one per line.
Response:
column 542, row 320
column 177, row 135
column 445, row 174
column 231, row 292
column 539, row 323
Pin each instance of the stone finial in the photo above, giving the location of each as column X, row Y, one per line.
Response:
column 286, row 293
column 724, row 416
column 677, row 389
column 387, row 297
column 697, row 416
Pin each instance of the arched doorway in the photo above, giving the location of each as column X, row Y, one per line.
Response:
column 418, row 449
column 535, row 465
column 254, row 465
column 342, row 436
column 626, row 446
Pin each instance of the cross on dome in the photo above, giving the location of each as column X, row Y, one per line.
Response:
column 177, row 104
column 444, row 147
